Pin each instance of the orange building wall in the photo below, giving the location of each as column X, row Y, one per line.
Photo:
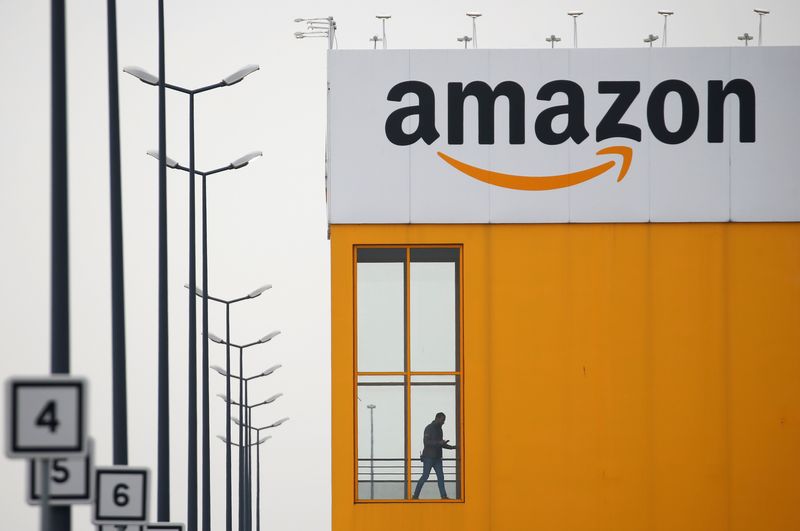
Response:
column 617, row 377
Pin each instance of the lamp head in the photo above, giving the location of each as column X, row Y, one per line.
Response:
column 219, row 370
column 170, row 162
column 473, row 14
column 216, row 339
column 279, row 422
column 239, row 75
column 197, row 290
column 223, row 397
column 383, row 17
column 223, row 439
column 269, row 336
column 574, row 13
column 255, row 293
column 273, row 398
column 271, row 370
column 243, row 161
column 264, row 439
column 761, row 11
column 666, row 13
column 141, row 74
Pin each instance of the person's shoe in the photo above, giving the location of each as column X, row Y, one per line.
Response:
column 445, row 497
column 414, row 497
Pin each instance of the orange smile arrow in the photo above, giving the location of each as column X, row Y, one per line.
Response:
column 550, row 182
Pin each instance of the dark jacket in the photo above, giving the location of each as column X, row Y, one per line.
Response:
column 433, row 439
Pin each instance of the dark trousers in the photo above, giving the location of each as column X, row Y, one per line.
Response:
column 436, row 464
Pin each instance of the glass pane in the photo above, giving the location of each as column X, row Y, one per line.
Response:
column 381, row 310
column 434, row 310
column 431, row 395
column 381, row 438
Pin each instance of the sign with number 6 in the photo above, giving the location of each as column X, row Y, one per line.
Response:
column 123, row 495
column 46, row 417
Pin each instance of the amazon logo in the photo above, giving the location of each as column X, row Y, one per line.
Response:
column 612, row 125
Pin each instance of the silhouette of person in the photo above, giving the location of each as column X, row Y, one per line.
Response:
column 433, row 441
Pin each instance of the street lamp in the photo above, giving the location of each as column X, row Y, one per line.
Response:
column 746, row 38
column 206, row 336
column 760, row 13
column 374, row 40
column 383, row 19
column 371, row 408
column 242, row 403
column 319, row 27
column 247, row 457
column 650, row 39
column 552, row 39
column 258, row 465
column 232, row 79
column 465, row 39
column 574, row 15
column 666, row 15
column 474, row 15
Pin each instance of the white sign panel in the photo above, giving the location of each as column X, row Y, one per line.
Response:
column 559, row 136
column 46, row 417
column 70, row 479
column 122, row 495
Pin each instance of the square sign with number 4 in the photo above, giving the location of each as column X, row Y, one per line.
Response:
column 46, row 417
column 122, row 495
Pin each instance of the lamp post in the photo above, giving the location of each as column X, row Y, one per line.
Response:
column 760, row 13
column 666, row 15
column 371, row 408
column 248, row 467
column 552, row 39
column 374, row 40
column 746, row 38
column 474, row 15
column 232, row 79
column 574, row 15
column 319, row 27
column 58, row 518
column 465, row 39
column 258, row 464
column 241, row 405
column 172, row 164
column 383, row 19
column 650, row 39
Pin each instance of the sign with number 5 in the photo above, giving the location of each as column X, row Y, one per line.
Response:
column 46, row 417
column 70, row 479
column 122, row 495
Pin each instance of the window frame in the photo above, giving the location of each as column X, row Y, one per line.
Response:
column 408, row 374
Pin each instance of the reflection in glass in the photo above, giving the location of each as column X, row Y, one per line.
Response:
column 381, row 438
column 429, row 396
column 381, row 316
column 434, row 310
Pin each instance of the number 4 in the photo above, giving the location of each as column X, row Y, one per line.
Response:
column 47, row 417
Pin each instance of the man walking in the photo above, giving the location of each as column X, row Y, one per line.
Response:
column 433, row 441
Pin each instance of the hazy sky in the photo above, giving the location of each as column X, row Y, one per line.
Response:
column 267, row 221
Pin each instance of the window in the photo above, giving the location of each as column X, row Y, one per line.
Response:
column 408, row 368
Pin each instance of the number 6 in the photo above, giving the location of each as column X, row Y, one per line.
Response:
column 120, row 496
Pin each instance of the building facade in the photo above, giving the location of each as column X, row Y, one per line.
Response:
column 589, row 261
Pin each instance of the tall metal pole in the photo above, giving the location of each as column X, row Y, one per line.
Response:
column 258, row 485
column 241, row 439
column 206, row 431
column 191, row 488
column 228, row 471
column 58, row 518
column 474, row 33
column 249, row 461
column 163, row 328
column 118, row 355
column 371, row 452
column 383, row 28
column 574, row 32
